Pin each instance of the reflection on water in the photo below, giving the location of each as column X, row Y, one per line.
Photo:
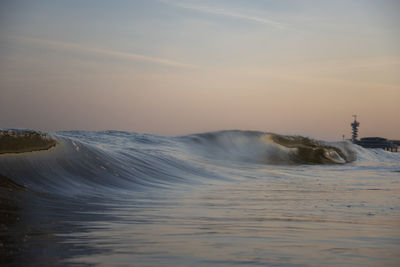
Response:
column 32, row 232
column 303, row 216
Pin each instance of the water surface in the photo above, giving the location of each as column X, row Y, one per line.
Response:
column 221, row 199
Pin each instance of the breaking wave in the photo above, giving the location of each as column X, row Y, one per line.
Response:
column 267, row 148
column 96, row 162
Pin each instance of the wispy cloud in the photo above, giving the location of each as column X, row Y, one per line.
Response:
column 105, row 52
column 226, row 13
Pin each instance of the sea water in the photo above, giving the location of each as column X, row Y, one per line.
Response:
column 216, row 199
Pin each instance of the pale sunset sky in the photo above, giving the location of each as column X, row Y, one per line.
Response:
column 175, row 67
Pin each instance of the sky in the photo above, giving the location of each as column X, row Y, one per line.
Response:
column 175, row 67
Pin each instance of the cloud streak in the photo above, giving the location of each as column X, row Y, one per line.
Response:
column 106, row 52
column 226, row 13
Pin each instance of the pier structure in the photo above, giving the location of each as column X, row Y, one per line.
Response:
column 372, row 142
column 378, row 142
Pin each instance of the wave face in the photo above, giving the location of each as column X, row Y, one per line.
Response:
column 220, row 198
column 96, row 161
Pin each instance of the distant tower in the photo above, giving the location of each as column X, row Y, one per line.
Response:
column 354, row 126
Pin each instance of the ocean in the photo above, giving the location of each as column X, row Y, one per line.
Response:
column 228, row 198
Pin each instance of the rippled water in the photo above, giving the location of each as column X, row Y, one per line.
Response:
column 114, row 198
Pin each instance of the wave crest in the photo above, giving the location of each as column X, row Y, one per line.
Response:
column 268, row 148
column 20, row 141
column 98, row 161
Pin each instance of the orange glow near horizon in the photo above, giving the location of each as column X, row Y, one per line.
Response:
column 185, row 69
